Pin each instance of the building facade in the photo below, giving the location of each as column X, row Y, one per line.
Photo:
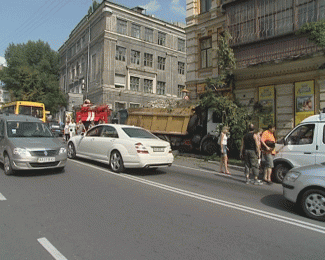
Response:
column 275, row 67
column 124, row 58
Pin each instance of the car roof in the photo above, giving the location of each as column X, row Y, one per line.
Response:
column 315, row 118
column 14, row 117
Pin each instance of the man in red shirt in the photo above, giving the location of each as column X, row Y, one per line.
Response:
column 268, row 145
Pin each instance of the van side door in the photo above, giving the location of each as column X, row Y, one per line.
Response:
column 320, row 147
column 2, row 139
column 300, row 145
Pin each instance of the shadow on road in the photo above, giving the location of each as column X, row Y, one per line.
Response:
column 279, row 202
column 136, row 172
column 37, row 173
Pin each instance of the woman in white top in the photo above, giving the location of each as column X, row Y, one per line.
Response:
column 72, row 128
column 224, row 149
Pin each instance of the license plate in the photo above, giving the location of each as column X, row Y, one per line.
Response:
column 46, row 159
column 158, row 149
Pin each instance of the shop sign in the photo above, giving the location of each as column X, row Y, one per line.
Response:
column 304, row 100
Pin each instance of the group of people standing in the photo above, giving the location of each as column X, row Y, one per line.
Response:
column 256, row 144
column 71, row 129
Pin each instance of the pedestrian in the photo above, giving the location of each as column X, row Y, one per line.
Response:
column 223, row 146
column 250, row 151
column 92, row 124
column 268, row 145
column 66, row 132
column 72, row 128
column 80, row 128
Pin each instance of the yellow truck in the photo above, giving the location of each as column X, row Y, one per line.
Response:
column 186, row 128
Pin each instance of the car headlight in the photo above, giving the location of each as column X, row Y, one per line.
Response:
column 21, row 152
column 291, row 176
column 63, row 150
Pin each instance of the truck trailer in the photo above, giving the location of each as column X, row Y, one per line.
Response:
column 187, row 128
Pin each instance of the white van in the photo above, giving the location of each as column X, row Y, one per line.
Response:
column 304, row 145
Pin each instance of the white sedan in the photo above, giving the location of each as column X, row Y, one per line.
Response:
column 121, row 146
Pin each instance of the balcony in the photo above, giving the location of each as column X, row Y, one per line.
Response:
column 277, row 49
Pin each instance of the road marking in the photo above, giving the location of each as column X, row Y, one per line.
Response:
column 51, row 249
column 2, row 197
column 224, row 203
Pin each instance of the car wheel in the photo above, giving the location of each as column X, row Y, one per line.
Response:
column 71, row 151
column 116, row 162
column 313, row 204
column 280, row 172
column 7, row 165
column 210, row 147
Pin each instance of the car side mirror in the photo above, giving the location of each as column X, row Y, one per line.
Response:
column 282, row 141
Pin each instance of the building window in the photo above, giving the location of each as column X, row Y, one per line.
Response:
column 119, row 81
column 161, row 38
column 148, row 58
column 148, row 86
column 161, row 88
column 120, row 106
column 306, row 12
column 179, row 90
column 148, row 35
column 121, row 26
column 181, row 68
column 120, row 53
column 181, row 45
column 134, row 105
column 161, row 63
column 206, row 53
column 205, row 6
column 134, row 83
column 135, row 31
column 135, row 57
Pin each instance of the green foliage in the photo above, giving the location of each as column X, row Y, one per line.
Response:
column 233, row 115
column 32, row 74
column 93, row 7
column 226, row 56
column 315, row 32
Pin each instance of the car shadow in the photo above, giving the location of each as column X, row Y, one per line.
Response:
column 135, row 172
column 36, row 173
column 278, row 201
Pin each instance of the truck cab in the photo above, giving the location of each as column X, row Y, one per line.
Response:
column 303, row 145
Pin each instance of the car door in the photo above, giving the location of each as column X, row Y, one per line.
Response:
column 2, row 139
column 106, row 141
column 88, row 143
column 320, row 147
column 300, row 145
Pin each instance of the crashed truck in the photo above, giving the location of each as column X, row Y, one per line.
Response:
column 186, row 129
column 89, row 112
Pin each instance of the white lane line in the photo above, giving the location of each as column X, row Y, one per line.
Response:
column 2, row 197
column 231, row 205
column 51, row 249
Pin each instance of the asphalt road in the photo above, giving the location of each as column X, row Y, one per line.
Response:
column 187, row 211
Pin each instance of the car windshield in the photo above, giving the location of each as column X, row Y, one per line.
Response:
column 27, row 129
column 138, row 133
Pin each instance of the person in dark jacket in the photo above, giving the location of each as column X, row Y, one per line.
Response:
column 250, row 151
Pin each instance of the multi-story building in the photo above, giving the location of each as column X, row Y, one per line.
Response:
column 124, row 58
column 275, row 67
column 204, row 25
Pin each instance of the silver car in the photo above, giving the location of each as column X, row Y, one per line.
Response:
column 26, row 143
column 305, row 186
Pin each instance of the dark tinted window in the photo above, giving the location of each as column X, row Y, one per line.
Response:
column 109, row 131
column 302, row 135
column 95, row 131
column 138, row 133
